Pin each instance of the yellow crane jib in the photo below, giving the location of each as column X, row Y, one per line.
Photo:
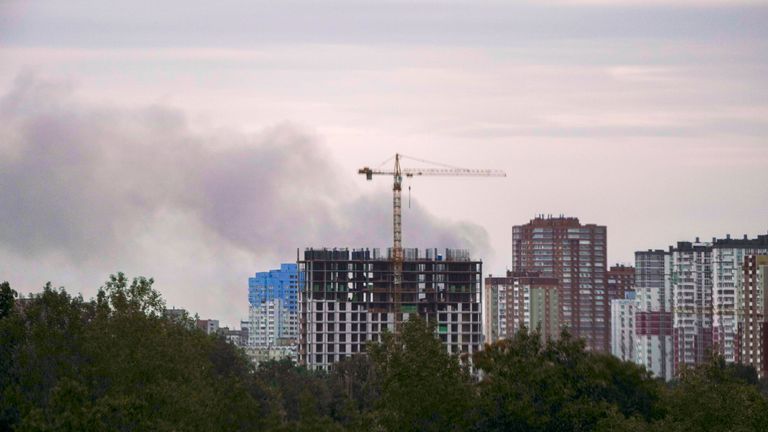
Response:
column 397, row 174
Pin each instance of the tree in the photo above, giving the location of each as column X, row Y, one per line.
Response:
column 354, row 392
column 116, row 363
column 715, row 397
column 423, row 388
column 557, row 385
column 7, row 299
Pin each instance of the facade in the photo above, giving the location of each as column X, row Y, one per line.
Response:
column 696, row 300
column 691, row 303
column 209, row 326
column 619, row 279
column 728, row 290
column 709, row 287
column 235, row 337
column 273, row 306
column 346, row 299
column 753, row 305
column 575, row 255
column 653, row 316
column 544, row 308
column 521, row 299
column 272, row 353
column 623, row 327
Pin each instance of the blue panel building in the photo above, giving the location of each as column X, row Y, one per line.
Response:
column 273, row 285
column 273, row 310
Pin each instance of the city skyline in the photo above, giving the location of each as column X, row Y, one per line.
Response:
column 199, row 145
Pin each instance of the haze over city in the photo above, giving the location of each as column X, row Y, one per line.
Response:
column 199, row 143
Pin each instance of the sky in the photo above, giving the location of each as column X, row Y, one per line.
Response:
column 200, row 142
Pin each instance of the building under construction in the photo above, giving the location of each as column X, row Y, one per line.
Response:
column 347, row 298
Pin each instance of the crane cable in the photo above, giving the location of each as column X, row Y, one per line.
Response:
column 388, row 160
column 430, row 162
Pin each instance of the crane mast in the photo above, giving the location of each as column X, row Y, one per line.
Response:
column 397, row 173
column 397, row 217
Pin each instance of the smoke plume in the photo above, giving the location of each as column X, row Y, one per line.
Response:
column 86, row 190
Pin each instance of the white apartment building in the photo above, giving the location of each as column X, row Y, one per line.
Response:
column 623, row 327
column 692, row 303
column 653, row 316
column 270, row 322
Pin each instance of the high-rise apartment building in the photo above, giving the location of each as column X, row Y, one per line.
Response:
column 574, row 254
column 728, row 259
column 709, row 289
column 691, row 303
column 517, row 300
column 753, row 308
column 653, row 316
column 273, row 307
column 623, row 327
column 346, row 299
column 619, row 279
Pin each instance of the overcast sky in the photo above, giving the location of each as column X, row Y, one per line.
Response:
column 200, row 142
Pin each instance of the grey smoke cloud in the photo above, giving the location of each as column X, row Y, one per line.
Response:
column 84, row 181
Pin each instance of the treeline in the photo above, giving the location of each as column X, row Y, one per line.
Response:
column 116, row 363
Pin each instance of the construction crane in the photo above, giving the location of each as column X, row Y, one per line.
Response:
column 397, row 173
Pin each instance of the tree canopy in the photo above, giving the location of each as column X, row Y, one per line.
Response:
column 117, row 362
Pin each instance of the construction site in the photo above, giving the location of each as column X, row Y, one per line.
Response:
column 351, row 297
column 347, row 299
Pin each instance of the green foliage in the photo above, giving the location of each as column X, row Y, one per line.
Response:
column 716, row 397
column 116, row 363
column 422, row 387
column 529, row 385
column 7, row 298
column 354, row 391
column 137, row 298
